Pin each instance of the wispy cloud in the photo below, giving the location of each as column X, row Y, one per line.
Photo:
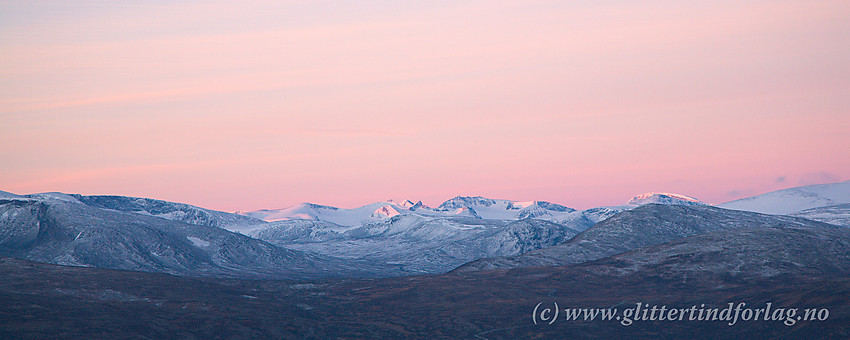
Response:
column 428, row 96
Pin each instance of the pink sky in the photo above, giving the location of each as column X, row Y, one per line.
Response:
column 266, row 104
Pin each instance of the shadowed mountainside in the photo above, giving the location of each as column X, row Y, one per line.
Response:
column 419, row 245
column 68, row 233
column 789, row 267
column 643, row 226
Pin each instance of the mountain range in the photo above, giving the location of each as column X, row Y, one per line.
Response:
column 376, row 240
column 307, row 241
column 785, row 267
column 464, row 206
column 69, row 232
column 473, row 267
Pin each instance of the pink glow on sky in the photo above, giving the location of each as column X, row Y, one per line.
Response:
column 266, row 104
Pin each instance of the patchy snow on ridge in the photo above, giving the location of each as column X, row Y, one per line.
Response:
column 834, row 214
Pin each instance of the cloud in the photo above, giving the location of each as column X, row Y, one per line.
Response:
column 23, row 106
column 780, row 180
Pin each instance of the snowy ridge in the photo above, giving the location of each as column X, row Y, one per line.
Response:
column 500, row 209
column 147, row 206
column 461, row 229
column 664, row 198
column 303, row 211
column 789, row 201
column 380, row 239
column 344, row 217
column 10, row 196
column 465, row 206
column 54, row 196
column 168, row 210
column 477, row 207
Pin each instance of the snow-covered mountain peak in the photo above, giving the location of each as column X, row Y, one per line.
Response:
column 460, row 206
column 500, row 209
column 664, row 198
column 792, row 200
column 301, row 211
column 408, row 204
column 466, row 201
column 385, row 212
column 466, row 211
